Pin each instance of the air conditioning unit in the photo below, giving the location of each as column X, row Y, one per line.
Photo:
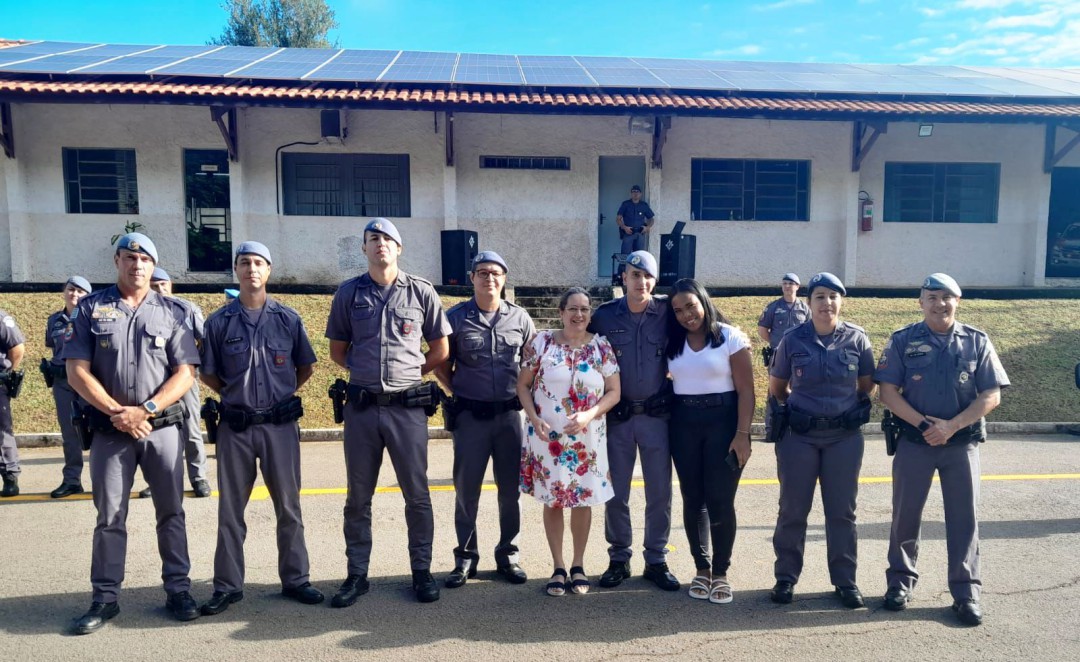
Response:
column 334, row 128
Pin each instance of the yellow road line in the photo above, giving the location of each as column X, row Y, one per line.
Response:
column 260, row 493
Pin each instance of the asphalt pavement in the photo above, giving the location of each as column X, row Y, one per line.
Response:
column 1030, row 524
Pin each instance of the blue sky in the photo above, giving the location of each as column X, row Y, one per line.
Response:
column 970, row 32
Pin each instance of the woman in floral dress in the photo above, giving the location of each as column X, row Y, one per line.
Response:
column 568, row 381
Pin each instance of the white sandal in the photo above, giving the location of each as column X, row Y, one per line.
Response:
column 720, row 592
column 699, row 587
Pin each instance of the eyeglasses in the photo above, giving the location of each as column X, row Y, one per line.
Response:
column 488, row 275
column 578, row 311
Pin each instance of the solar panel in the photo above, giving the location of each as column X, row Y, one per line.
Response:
column 65, row 62
column 494, row 69
column 421, row 67
column 354, row 65
column 217, row 62
column 619, row 71
column 554, row 70
column 143, row 62
column 26, row 51
column 292, row 63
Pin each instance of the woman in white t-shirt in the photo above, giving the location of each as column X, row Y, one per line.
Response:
column 710, row 366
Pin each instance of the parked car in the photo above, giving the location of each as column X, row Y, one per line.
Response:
column 1066, row 248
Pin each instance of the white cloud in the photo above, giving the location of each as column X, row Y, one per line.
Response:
column 1044, row 19
column 782, row 4
column 748, row 49
column 930, row 13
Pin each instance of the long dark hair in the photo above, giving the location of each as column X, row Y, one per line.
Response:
column 713, row 317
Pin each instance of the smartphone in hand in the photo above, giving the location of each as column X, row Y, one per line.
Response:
column 732, row 461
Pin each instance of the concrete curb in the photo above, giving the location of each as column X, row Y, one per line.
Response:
column 47, row 439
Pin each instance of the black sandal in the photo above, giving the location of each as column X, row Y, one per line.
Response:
column 555, row 587
column 580, row 583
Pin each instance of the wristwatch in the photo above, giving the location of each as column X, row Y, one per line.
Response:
column 925, row 425
column 151, row 408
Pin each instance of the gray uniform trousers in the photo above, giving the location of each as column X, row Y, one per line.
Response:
column 64, row 396
column 9, row 452
column 649, row 436
column 113, row 459
column 194, row 448
column 913, row 470
column 276, row 448
column 834, row 458
column 403, row 433
column 634, row 242
column 475, row 440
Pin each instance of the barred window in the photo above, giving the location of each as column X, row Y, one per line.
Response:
column 100, row 181
column 526, row 162
column 941, row 192
column 749, row 190
column 346, row 184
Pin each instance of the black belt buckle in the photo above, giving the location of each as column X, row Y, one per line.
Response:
column 821, row 423
column 384, row 399
column 637, row 407
column 259, row 418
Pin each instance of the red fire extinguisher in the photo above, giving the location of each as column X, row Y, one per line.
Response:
column 866, row 212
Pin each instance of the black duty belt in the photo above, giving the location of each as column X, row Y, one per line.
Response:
column 974, row 432
column 361, row 395
column 286, row 411
column 171, row 415
column 708, row 400
column 485, row 409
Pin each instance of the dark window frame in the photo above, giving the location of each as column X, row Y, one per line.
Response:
column 941, row 192
column 100, row 180
column 489, row 162
column 764, row 190
column 324, row 184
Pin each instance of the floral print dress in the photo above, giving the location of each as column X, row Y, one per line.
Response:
column 566, row 471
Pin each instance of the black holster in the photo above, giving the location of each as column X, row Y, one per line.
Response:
column 779, row 415
column 451, row 407
column 46, row 371
column 338, row 395
column 766, row 355
column 857, row 416
column 890, row 426
column 12, row 380
column 211, row 415
column 81, row 421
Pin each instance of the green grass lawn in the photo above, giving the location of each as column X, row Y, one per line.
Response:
column 1038, row 341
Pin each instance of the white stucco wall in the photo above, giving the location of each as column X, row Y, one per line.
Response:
column 1006, row 253
column 6, row 167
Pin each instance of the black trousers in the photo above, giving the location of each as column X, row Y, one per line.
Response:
column 700, row 441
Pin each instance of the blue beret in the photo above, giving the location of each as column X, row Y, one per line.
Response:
column 231, row 294
column 81, row 283
column 489, row 256
column 254, row 248
column 793, row 277
column 139, row 243
column 940, row 281
column 383, row 226
column 826, row 279
column 643, row 260
column 159, row 274
column 635, row 187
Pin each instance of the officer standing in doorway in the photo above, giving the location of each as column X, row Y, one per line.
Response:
column 256, row 354
column 940, row 378
column 376, row 324
column 64, row 396
column 636, row 327
column 635, row 219
column 778, row 318
column 131, row 356
column 12, row 349
column 485, row 415
column 194, row 448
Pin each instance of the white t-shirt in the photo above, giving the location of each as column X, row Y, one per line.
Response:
column 707, row 371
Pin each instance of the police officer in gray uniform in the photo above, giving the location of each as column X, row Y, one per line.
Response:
column 778, row 318
column 824, row 371
column 64, row 396
column 256, row 354
column 12, row 349
column 940, row 378
column 375, row 327
column 485, row 349
column 131, row 357
column 636, row 327
column 194, row 448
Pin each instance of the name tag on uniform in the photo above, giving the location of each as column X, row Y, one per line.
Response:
column 229, row 341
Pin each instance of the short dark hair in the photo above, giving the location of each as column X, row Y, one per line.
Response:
column 571, row 292
column 713, row 317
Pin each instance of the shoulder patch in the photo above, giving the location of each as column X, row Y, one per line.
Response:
column 9, row 321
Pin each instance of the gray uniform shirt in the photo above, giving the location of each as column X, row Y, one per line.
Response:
column 193, row 317
column 824, row 379
column 779, row 317
column 940, row 377
column 55, row 329
column 385, row 333
column 10, row 336
column 131, row 352
column 485, row 356
column 255, row 363
column 639, row 342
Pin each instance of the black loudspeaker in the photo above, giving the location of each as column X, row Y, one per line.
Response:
column 677, row 255
column 459, row 247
